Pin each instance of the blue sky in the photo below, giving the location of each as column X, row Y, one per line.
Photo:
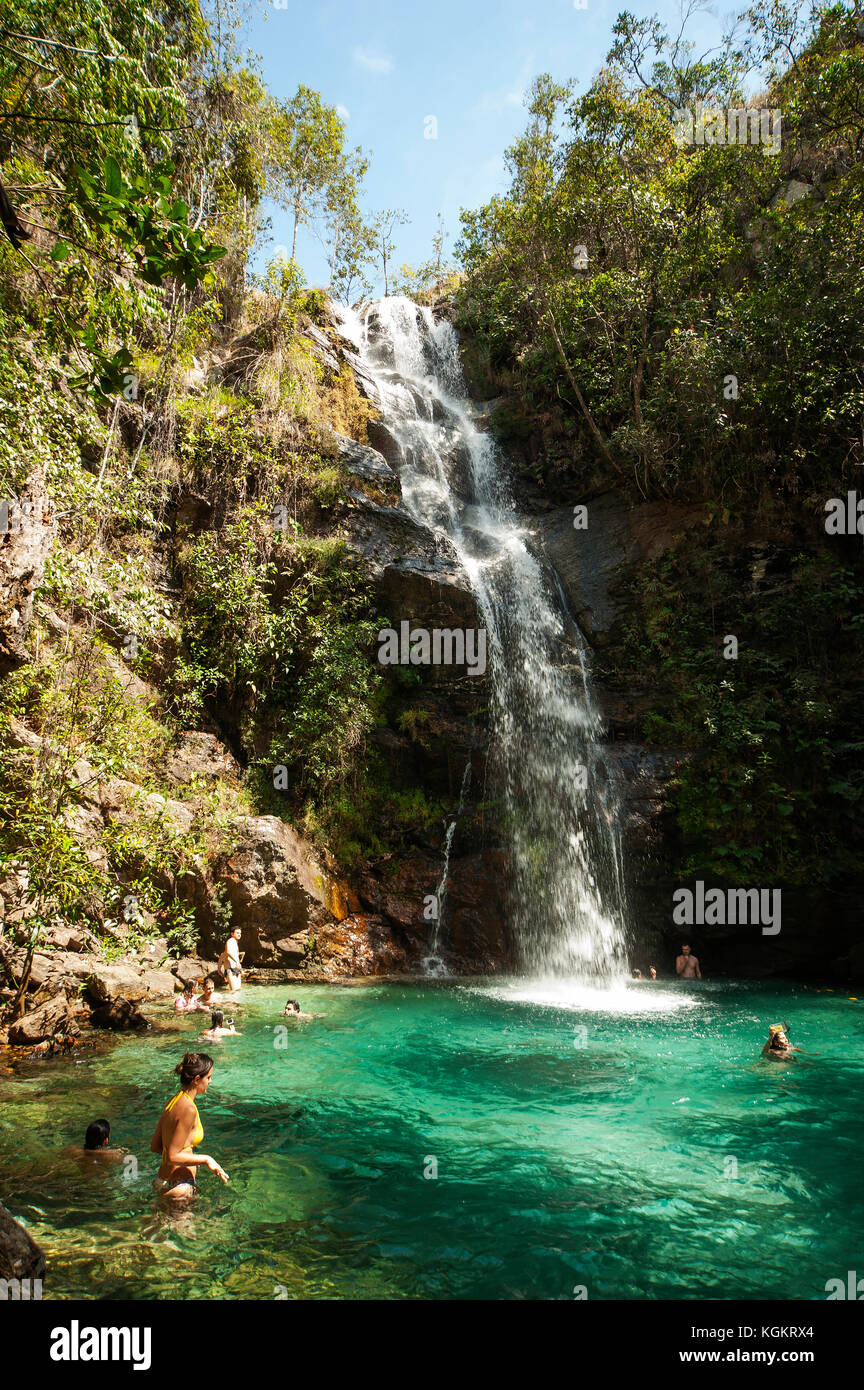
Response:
column 391, row 64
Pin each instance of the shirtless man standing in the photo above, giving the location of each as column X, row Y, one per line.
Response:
column 687, row 966
column 229, row 961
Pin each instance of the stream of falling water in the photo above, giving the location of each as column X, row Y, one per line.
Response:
column 560, row 809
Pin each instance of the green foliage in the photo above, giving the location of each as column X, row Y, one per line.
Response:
column 623, row 281
column 774, row 778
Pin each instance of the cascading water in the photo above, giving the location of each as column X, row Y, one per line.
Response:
column 560, row 807
column 433, row 964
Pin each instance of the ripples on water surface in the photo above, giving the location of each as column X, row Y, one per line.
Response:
column 581, row 1139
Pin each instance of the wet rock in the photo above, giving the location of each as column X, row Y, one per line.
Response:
column 119, row 1015
column 20, row 1256
column 53, row 1019
column 363, row 462
column 408, row 566
column 359, row 945
column 472, row 934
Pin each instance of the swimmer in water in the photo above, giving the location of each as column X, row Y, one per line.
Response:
column 206, row 997
column 687, row 965
column 188, row 1001
column 292, row 1010
column 778, row 1044
column 179, row 1131
column 96, row 1144
column 218, row 1027
column 653, row 973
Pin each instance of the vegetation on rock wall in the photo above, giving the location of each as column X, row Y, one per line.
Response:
column 687, row 321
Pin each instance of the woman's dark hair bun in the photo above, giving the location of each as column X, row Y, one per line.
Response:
column 194, row 1064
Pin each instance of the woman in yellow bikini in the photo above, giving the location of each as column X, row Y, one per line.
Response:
column 179, row 1131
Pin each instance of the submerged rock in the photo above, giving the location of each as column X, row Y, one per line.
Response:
column 20, row 1256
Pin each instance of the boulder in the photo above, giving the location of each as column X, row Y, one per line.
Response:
column 159, row 984
column 118, row 980
column 200, row 755
column 278, row 888
column 119, row 1015
column 364, row 462
column 69, row 938
column 58, row 969
column 20, row 1256
column 53, row 1019
column 190, row 971
column 126, row 980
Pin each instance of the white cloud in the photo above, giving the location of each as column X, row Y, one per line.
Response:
column 343, row 112
column 372, row 60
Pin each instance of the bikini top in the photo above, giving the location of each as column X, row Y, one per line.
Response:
column 198, row 1131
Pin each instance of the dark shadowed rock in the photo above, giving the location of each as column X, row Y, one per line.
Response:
column 591, row 563
column 119, row 1015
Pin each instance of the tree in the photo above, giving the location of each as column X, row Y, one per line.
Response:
column 384, row 226
column 305, row 157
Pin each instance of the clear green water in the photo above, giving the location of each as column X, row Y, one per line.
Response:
column 558, row 1165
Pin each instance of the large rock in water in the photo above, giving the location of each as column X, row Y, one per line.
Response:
column 123, row 980
column 53, row 1019
column 20, row 1256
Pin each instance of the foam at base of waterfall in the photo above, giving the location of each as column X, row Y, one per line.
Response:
column 620, row 997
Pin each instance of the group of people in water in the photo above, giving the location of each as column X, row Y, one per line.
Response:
column 179, row 1131
column 686, row 967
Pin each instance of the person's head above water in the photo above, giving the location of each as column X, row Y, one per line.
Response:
column 97, row 1135
column 217, row 1018
column 195, row 1071
column 207, row 986
column 189, row 989
column 292, row 1007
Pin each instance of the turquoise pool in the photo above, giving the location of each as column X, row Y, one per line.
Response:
column 633, row 1145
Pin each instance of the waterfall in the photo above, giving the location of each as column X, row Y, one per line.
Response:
column 433, row 964
column 560, row 809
